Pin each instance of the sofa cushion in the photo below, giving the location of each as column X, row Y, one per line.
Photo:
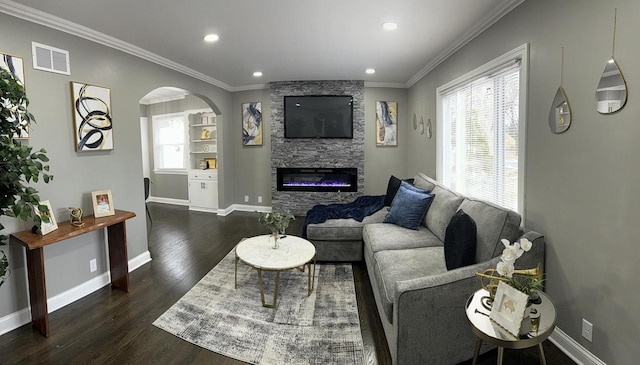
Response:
column 392, row 188
column 385, row 236
column 493, row 224
column 343, row 229
column 409, row 206
column 391, row 266
column 424, row 182
column 460, row 241
column 444, row 206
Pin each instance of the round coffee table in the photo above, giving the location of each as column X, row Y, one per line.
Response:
column 294, row 252
column 490, row 332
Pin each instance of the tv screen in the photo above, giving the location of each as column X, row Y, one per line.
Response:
column 318, row 116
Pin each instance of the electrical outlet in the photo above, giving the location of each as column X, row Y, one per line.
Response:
column 93, row 265
column 587, row 330
column 246, row 198
column 259, row 199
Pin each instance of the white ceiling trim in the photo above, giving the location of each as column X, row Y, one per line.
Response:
column 36, row 16
column 481, row 26
column 164, row 99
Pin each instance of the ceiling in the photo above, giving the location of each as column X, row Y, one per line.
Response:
column 285, row 39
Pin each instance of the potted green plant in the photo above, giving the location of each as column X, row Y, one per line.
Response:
column 276, row 222
column 19, row 164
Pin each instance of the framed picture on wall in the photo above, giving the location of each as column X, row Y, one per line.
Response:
column 386, row 123
column 91, row 106
column 252, row 124
column 102, row 203
column 15, row 66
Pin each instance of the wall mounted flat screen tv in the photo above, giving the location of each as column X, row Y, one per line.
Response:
column 318, row 116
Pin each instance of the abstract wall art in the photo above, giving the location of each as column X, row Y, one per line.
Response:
column 386, row 123
column 15, row 66
column 92, row 117
column 252, row 124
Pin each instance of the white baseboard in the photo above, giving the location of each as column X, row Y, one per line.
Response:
column 243, row 208
column 14, row 320
column 157, row 199
column 573, row 349
column 205, row 210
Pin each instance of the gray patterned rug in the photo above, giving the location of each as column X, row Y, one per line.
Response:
column 323, row 328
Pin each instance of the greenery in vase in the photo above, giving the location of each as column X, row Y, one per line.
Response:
column 527, row 284
column 19, row 164
column 276, row 222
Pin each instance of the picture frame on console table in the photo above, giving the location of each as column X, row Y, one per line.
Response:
column 386, row 123
column 252, row 124
column 102, row 203
column 46, row 227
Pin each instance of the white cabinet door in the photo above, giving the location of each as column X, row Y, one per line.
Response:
column 203, row 194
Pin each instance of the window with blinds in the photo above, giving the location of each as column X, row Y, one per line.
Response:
column 480, row 147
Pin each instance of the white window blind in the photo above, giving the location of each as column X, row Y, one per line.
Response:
column 480, row 149
column 169, row 136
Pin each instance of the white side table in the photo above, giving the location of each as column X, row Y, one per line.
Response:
column 490, row 332
column 294, row 252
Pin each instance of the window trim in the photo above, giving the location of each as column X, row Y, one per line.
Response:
column 520, row 53
column 187, row 151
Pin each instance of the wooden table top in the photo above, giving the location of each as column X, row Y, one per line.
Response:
column 66, row 230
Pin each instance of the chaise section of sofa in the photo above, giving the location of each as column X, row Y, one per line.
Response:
column 420, row 302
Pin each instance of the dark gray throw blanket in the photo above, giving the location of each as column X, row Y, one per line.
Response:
column 358, row 209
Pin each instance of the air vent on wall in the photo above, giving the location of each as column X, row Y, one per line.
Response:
column 47, row 58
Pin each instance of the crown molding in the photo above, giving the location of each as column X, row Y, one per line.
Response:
column 504, row 8
column 39, row 17
column 250, row 87
column 390, row 85
column 163, row 99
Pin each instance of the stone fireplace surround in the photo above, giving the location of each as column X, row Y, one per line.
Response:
column 315, row 152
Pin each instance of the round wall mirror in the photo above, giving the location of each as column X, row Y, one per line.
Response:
column 611, row 94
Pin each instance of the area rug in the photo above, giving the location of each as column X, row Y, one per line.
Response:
column 322, row 328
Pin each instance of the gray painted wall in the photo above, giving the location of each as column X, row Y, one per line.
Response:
column 252, row 167
column 77, row 174
column 581, row 186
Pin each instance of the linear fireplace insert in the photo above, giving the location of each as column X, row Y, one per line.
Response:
column 317, row 179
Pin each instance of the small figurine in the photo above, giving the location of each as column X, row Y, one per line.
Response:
column 75, row 215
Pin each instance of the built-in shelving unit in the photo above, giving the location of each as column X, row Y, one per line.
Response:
column 203, row 174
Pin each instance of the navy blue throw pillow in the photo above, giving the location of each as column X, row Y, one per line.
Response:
column 409, row 206
column 460, row 241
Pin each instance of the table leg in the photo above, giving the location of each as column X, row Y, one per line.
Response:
column 235, row 279
column 312, row 277
column 477, row 352
column 118, row 256
column 38, row 290
column 543, row 359
column 275, row 292
column 500, row 355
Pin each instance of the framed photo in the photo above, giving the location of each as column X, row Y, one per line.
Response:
column 102, row 203
column 508, row 308
column 252, row 124
column 15, row 66
column 386, row 123
column 91, row 106
column 52, row 225
column 212, row 163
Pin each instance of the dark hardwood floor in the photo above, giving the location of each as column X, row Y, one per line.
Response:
column 113, row 327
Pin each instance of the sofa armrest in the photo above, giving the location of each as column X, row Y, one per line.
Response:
column 429, row 313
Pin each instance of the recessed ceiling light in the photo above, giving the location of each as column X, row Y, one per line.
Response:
column 211, row 38
column 370, row 71
column 257, row 74
column 389, row 26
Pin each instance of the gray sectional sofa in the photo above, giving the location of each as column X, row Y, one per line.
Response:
column 420, row 302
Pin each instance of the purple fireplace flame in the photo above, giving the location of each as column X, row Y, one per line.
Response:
column 317, row 179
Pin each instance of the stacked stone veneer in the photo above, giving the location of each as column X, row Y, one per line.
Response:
column 315, row 152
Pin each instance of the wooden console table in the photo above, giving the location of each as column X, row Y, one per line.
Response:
column 34, row 244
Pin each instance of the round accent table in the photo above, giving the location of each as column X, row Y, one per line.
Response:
column 294, row 252
column 486, row 330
